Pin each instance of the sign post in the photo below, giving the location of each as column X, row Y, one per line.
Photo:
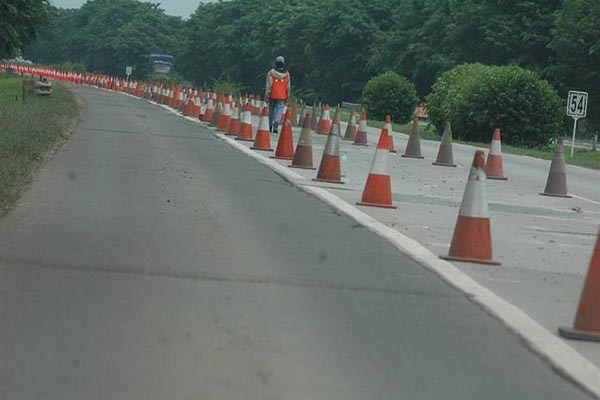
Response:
column 576, row 109
column 128, row 71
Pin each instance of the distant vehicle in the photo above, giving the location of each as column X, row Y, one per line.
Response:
column 161, row 63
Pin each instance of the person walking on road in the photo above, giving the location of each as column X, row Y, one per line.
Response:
column 277, row 91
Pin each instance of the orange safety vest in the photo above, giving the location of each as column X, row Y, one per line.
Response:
column 279, row 88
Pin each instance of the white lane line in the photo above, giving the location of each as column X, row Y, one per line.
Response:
column 548, row 346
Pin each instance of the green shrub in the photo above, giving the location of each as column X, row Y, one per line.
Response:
column 226, row 87
column 476, row 98
column 392, row 94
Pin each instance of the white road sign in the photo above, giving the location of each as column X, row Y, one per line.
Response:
column 577, row 104
column 128, row 70
column 576, row 109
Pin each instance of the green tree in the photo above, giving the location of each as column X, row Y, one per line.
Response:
column 107, row 35
column 576, row 41
column 20, row 21
column 432, row 36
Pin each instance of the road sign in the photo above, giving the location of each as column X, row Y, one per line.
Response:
column 577, row 104
column 128, row 70
column 576, row 109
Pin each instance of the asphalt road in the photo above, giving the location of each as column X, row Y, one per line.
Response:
column 152, row 261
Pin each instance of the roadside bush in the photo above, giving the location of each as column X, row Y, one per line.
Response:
column 476, row 98
column 390, row 93
column 226, row 87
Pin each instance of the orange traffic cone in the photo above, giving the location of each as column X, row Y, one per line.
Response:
column 256, row 106
column 329, row 169
column 196, row 107
column 351, row 127
column 225, row 117
column 472, row 239
column 303, row 157
column 262, row 141
column 209, row 112
column 587, row 319
column 325, row 122
column 413, row 147
column 493, row 167
column 556, row 185
column 245, row 133
column 361, row 135
column 187, row 108
column 445, row 156
column 389, row 127
column 378, row 189
column 285, row 145
column 234, row 123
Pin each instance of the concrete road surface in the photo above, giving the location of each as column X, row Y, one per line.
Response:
column 151, row 261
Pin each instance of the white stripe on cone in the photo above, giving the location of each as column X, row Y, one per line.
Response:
column 263, row 124
column 474, row 203
column 496, row 148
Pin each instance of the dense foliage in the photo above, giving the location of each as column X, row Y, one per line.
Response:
column 20, row 21
column 108, row 35
column 478, row 98
column 390, row 94
column 333, row 47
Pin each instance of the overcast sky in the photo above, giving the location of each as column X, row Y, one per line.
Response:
column 182, row 8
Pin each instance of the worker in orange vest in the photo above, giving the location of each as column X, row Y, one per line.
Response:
column 277, row 92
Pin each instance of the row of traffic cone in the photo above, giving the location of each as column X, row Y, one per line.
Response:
column 471, row 240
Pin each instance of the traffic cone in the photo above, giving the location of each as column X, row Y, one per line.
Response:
column 493, row 167
column 378, row 189
column 245, row 133
column 351, row 127
column 225, row 117
column 472, row 239
column 303, row 157
column 262, row 141
column 325, row 122
column 413, row 147
column 556, row 185
column 445, row 156
column 388, row 125
column 587, row 319
column 187, row 108
column 209, row 112
column 329, row 169
column 314, row 119
column 361, row 134
column 234, row 123
column 285, row 144
column 256, row 106
column 197, row 107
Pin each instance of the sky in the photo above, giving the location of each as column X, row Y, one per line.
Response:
column 182, row 8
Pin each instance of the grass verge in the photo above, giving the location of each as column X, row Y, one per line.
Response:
column 581, row 157
column 29, row 133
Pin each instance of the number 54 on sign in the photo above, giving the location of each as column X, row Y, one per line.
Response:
column 576, row 109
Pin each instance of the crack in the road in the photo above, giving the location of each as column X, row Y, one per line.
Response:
column 229, row 278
